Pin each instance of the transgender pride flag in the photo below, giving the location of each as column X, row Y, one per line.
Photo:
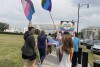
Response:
column 47, row 4
column 28, row 8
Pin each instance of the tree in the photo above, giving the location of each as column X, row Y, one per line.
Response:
column 54, row 34
column 37, row 31
column 80, row 34
column 3, row 26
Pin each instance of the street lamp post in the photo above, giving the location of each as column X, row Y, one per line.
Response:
column 78, row 14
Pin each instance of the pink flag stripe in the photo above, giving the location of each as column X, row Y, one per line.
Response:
column 27, row 9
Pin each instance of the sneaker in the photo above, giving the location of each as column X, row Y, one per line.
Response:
column 39, row 64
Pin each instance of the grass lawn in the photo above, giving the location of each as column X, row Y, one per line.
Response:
column 91, row 57
column 10, row 50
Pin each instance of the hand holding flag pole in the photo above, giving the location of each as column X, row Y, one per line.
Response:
column 30, row 24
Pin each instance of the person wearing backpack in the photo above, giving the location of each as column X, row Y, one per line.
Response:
column 28, row 49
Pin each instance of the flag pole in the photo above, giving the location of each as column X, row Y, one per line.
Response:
column 53, row 21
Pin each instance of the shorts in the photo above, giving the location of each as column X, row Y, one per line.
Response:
column 31, row 58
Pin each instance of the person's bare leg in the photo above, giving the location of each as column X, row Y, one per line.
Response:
column 33, row 63
column 25, row 62
column 57, row 51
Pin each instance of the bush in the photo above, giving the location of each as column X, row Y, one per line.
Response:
column 54, row 35
column 11, row 33
column 37, row 31
column 3, row 26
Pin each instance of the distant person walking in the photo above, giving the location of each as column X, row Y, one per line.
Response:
column 66, row 50
column 49, row 44
column 42, row 45
column 28, row 49
column 58, row 47
column 76, row 46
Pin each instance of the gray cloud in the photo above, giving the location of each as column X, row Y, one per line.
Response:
column 12, row 12
column 91, row 2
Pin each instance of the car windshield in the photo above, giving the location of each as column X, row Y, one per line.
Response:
column 81, row 39
column 95, row 41
column 87, row 40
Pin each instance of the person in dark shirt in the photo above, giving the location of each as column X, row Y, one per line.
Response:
column 28, row 49
column 42, row 45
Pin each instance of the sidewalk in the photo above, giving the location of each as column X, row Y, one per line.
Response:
column 52, row 61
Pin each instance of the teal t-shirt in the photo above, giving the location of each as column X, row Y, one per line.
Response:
column 76, row 44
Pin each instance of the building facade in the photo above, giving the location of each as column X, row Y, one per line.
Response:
column 49, row 28
column 16, row 29
column 91, row 32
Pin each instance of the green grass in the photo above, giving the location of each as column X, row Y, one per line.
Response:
column 91, row 57
column 10, row 50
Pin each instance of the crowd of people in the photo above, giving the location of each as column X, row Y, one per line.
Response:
column 65, row 44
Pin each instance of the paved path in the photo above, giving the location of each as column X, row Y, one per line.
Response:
column 51, row 60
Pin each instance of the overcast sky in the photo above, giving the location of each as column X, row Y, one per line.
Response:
column 11, row 12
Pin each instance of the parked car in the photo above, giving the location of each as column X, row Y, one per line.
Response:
column 91, row 43
column 81, row 41
column 86, row 41
column 96, row 48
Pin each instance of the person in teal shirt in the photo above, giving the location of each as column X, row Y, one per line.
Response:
column 75, row 53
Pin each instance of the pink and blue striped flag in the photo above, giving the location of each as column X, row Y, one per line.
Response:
column 28, row 8
column 47, row 4
column 52, row 41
